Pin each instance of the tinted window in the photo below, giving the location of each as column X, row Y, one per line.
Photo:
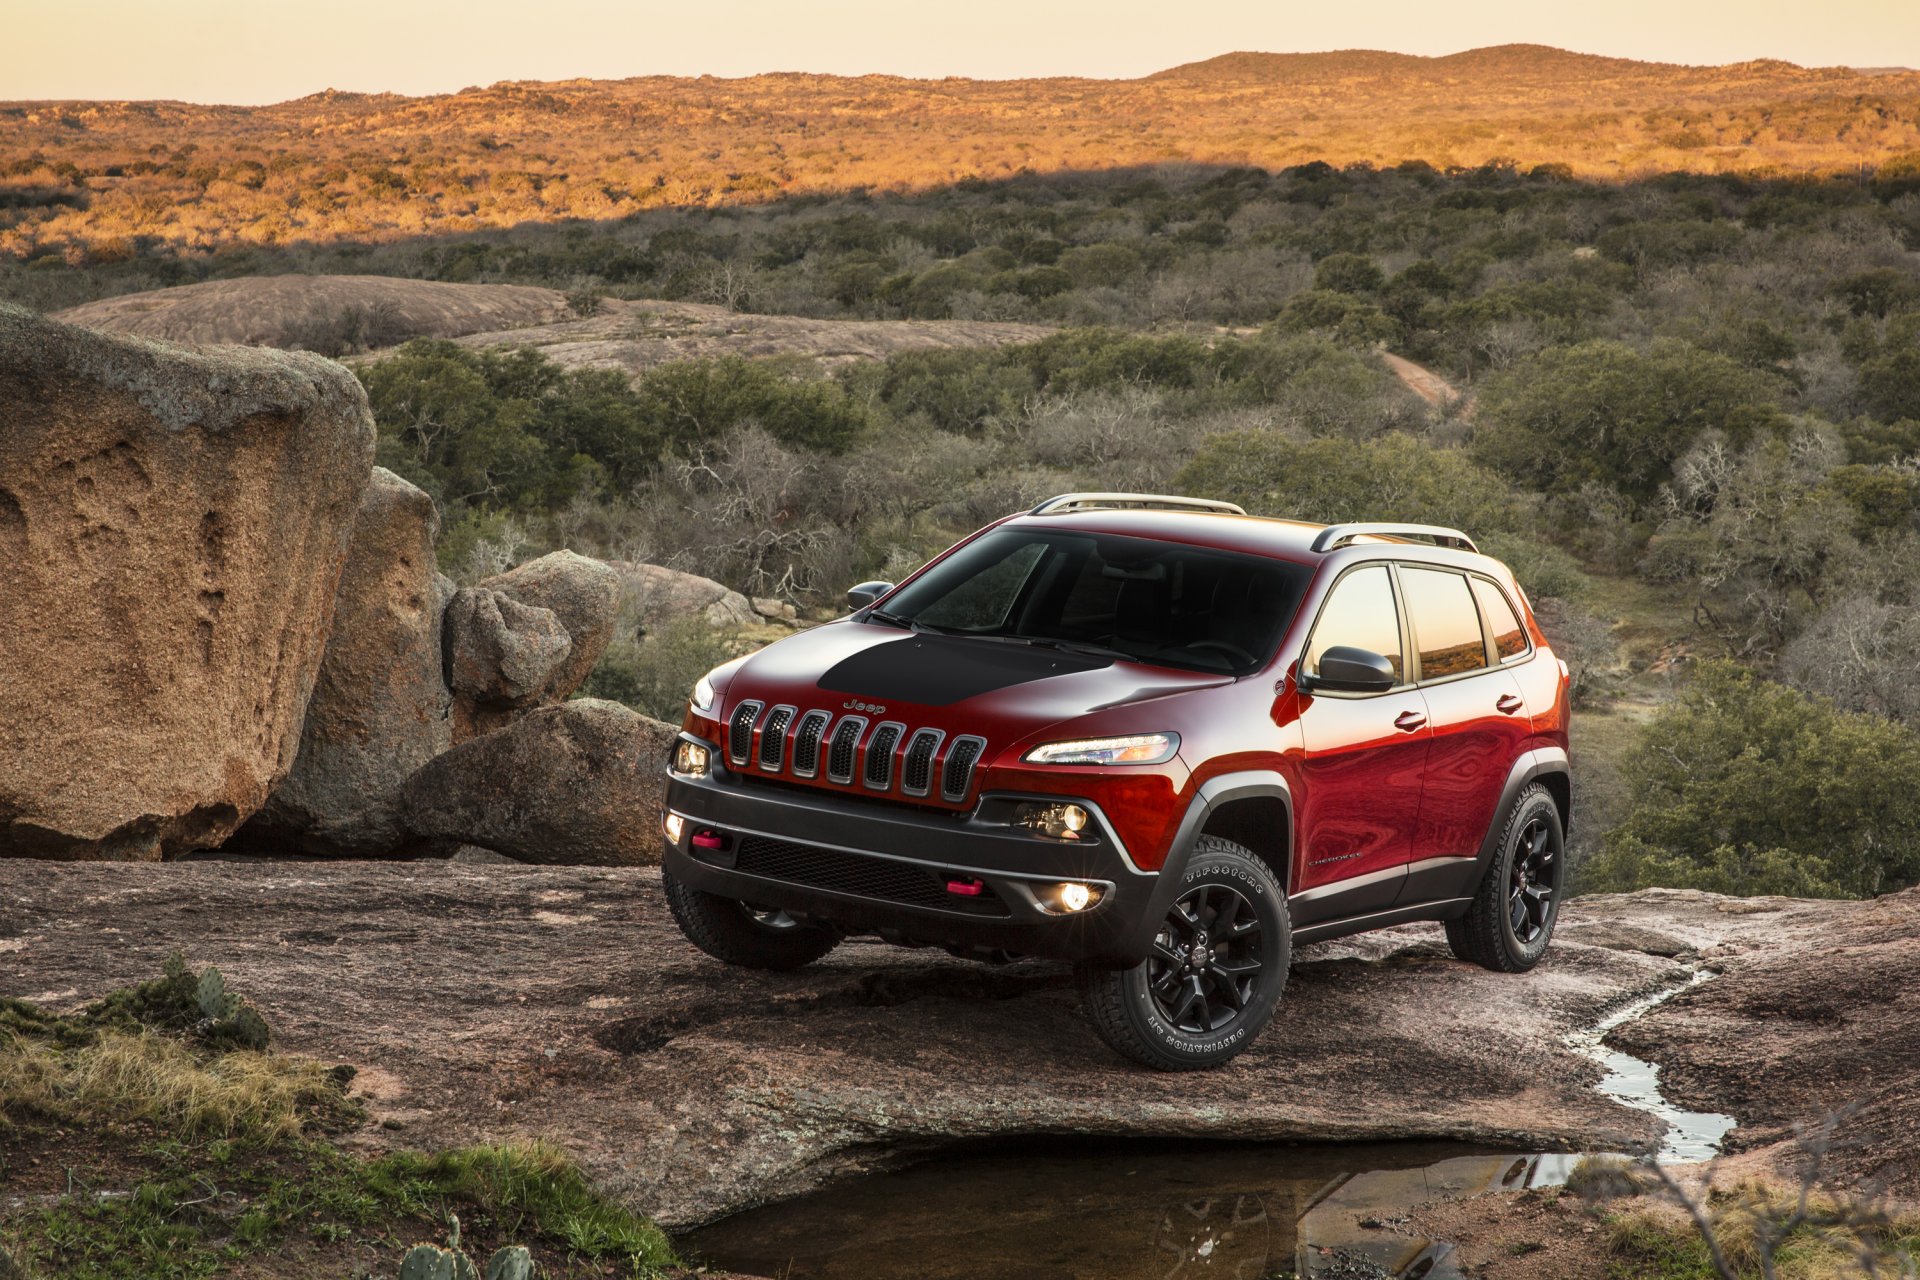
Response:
column 1509, row 638
column 1446, row 624
column 1360, row 613
column 1156, row 602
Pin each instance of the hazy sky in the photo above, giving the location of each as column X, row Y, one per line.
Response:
column 269, row 50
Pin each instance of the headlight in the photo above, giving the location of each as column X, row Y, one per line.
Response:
column 1139, row 748
column 703, row 695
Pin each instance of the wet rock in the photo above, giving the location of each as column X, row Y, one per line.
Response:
column 576, row 783
column 502, row 654
column 655, row 597
column 380, row 708
column 173, row 527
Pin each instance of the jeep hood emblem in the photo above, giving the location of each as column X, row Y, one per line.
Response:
column 871, row 708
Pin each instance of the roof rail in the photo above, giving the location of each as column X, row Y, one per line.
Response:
column 1339, row 535
column 1132, row 501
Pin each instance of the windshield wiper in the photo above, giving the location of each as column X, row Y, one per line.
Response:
column 881, row 615
column 1067, row 646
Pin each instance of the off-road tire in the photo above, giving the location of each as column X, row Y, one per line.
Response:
column 725, row 929
column 1486, row 935
column 1123, row 1008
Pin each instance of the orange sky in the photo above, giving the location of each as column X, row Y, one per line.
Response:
column 268, row 50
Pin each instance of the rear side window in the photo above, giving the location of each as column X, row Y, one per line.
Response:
column 1509, row 637
column 1360, row 613
column 1446, row 622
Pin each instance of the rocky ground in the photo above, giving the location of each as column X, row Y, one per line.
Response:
column 504, row 1001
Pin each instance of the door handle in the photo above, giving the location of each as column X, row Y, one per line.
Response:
column 1408, row 721
column 1507, row 704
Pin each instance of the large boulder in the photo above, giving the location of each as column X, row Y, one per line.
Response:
column 380, row 708
column 502, row 654
column 173, row 526
column 582, row 594
column 578, row 783
column 654, row 596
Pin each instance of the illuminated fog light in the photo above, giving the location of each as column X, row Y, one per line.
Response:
column 1055, row 821
column 691, row 758
column 675, row 826
column 1070, row 898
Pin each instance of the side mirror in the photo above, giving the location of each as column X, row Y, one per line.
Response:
column 1347, row 669
column 866, row 593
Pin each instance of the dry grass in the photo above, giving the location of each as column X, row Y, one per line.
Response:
column 125, row 1077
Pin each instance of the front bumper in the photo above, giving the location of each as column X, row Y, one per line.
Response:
column 871, row 867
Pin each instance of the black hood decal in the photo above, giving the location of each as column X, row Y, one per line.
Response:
column 937, row 670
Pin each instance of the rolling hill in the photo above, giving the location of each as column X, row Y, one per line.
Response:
column 100, row 181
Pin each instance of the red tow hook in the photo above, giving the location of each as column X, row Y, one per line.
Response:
column 708, row 840
column 966, row 887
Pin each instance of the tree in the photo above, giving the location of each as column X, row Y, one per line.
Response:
column 1745, row 786
column 1605, row 411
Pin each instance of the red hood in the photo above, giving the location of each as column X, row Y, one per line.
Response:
column 1003, row 692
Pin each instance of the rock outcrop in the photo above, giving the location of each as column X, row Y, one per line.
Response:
column 380, row 708
column 654, row 597
column 688, row 1089
column 173, row 527
column 577, row 783
column 501, row 654
column 582, row 594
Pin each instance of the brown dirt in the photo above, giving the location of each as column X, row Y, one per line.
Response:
column 292, row 311
column 1521, row 1236
column 494, row 1003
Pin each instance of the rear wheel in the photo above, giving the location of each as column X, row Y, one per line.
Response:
column 740, row 933
column 1218, row 966
column 1511, row 921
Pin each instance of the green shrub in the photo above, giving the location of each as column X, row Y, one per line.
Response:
column 1394, row 477
column 1748, row 787
column 1607, row 412
column 654, row 674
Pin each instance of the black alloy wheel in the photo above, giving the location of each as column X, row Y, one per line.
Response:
column 1214, row 972
column 1206, row 963
column 1510, row 922
column 1534, row 883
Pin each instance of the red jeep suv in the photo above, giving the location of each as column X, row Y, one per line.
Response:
column 1149, row 735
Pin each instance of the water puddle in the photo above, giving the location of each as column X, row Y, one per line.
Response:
column 1073, row 1208
column 1691, row 1135
column 1107, row 1211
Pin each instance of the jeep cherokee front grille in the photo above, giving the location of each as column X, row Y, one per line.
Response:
column 916, row 776
column 958, row 776
column 889, row 757
column 806, row 743
column 773, row 738
column 846, row 741
column 880, row 749
column 740, row 731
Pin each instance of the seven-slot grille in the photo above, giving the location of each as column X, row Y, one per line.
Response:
column 892, row 758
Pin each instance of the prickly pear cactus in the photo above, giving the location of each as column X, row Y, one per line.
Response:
column 431, row 1262
column 216, row 1005
column 510, row 1263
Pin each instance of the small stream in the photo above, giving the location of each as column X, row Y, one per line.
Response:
column 1116, row 1210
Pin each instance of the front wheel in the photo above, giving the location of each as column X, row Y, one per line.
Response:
column 1512, row 917
column 742, row 934
column 1218, row 966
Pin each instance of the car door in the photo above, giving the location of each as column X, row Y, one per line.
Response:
column 1477, row 718
column 1362, row 760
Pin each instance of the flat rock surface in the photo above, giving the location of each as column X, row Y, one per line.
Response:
column 501, row 1001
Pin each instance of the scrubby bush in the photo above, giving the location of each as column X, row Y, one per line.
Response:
column 1744, row 786
column 1607, row 412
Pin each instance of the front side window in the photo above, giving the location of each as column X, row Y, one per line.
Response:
column 1162, row 603
column 1446, row 622
column 1360, row 613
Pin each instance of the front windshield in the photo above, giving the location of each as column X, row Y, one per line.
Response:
column 1155, row 602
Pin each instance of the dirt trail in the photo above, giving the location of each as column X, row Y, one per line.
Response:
column 497, row 1002
column 1425, row 383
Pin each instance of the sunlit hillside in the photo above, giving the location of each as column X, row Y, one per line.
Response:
column 102, row 181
